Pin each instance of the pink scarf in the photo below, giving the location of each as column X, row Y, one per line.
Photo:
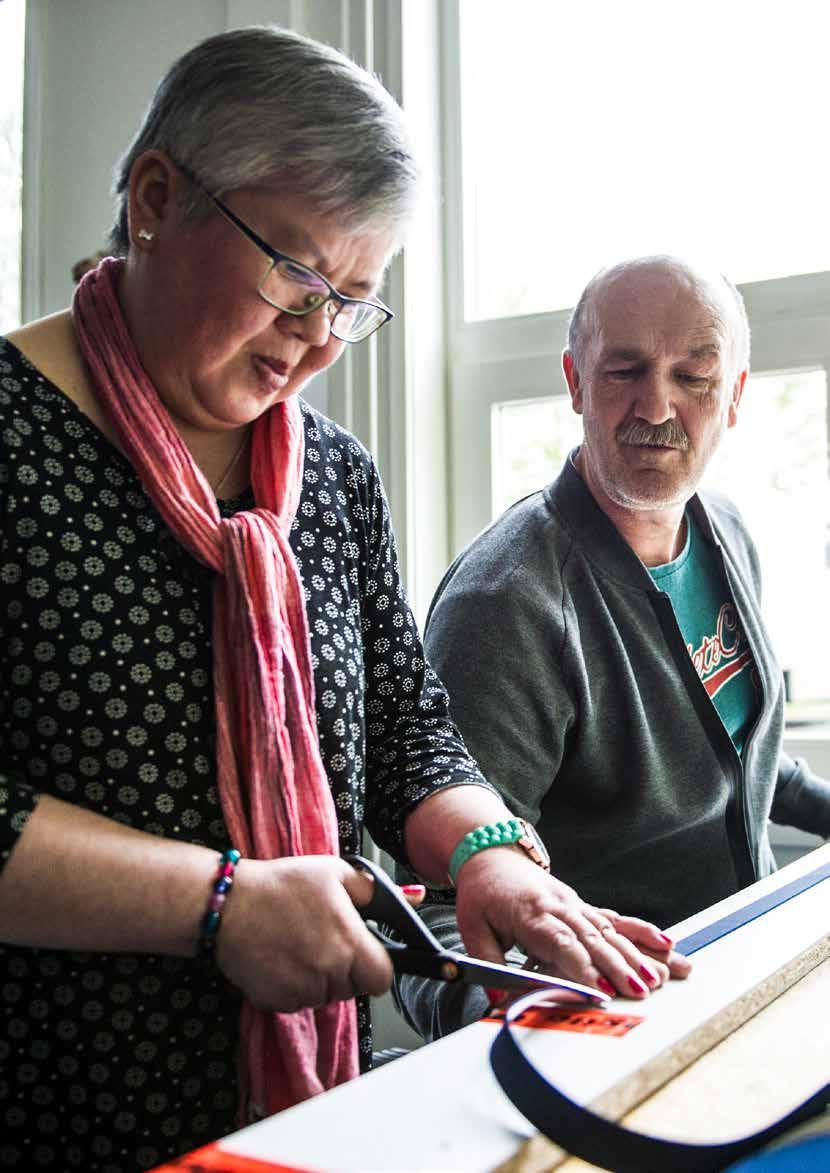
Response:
column 275, row 796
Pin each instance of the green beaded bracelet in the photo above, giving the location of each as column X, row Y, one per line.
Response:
column 501, row 834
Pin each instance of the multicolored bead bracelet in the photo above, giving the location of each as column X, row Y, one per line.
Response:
column 213, row 916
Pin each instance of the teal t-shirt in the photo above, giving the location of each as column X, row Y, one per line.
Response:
column 708, row 618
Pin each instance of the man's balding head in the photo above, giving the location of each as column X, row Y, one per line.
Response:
column 713, row 289
column 656, row 367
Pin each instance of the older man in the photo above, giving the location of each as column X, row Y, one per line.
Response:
column 603, row 643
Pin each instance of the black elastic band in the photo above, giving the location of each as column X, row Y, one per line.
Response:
column 602, row 1142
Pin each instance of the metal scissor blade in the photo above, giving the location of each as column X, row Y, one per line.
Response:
column 506, row 977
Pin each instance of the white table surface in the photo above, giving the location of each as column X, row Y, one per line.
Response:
column 440, row 1109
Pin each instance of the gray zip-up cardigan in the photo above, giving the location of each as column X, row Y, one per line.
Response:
column 573, row 688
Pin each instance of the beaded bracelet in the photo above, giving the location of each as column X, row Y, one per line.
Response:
column 213, row 916
column 500, row 834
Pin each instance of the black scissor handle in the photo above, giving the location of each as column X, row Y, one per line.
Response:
column 389, row 907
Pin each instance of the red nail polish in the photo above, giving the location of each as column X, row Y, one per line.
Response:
column 413, row 889
column 637, row 986
column 669, row 940
column 606, row 987
column 649, row 974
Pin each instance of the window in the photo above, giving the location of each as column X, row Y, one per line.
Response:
column 530, row 442
column 774, row 464
column 12, row 23
column 598, row 130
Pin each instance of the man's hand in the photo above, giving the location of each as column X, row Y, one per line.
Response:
column 503, row 900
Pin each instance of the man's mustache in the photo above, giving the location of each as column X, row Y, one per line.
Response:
column 670, row 434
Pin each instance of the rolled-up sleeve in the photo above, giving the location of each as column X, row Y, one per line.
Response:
column 17, row 801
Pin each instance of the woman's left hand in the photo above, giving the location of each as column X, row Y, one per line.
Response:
column 503, row 899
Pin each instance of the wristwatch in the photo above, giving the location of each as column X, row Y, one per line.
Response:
column 501, row 834
column 531, row 843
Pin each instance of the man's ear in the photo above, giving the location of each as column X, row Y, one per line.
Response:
column 735, row 399
column 154, row 181
column 573, row 381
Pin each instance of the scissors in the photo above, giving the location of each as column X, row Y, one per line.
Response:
column 420, row 952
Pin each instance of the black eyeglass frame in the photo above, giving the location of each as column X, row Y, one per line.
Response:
column 275, row 256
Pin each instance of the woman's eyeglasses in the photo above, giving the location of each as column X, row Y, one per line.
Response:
column 297, row 289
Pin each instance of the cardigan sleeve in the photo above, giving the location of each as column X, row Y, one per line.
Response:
column 802, row 798
column 432, row 1008
column 496, row 636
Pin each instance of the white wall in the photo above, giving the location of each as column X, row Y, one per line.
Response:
column 91, row 71
column 97, row 64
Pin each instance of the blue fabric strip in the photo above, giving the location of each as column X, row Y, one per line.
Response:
column 749, row 912
column 805, row 1156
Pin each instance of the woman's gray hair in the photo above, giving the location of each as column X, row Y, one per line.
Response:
column 713, row 289
column 258, row 106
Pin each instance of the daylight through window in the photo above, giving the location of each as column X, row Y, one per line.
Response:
column 600, row 130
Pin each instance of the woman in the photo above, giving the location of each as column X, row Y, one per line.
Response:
column 208, row 645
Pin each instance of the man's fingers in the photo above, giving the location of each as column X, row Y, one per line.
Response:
column 679, row 966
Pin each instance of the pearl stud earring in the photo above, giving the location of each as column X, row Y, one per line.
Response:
column 143, row 234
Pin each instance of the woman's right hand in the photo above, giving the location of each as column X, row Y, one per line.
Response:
column 291, row 935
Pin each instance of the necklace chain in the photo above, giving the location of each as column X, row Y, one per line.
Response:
column 232, row 463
